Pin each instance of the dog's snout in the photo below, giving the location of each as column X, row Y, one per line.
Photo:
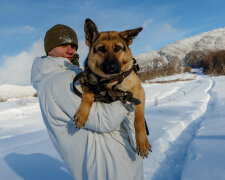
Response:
column 111, row 64
column 112, row 68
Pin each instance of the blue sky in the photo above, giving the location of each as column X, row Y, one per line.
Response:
column 24, row 22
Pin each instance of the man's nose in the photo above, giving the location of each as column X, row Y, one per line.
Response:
column 70, row 49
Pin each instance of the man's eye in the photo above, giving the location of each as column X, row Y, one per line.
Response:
column 64, row 45
column 74, row 46
column 117, row 48
column 102, row 49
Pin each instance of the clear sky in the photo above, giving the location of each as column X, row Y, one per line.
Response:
column 24, row 22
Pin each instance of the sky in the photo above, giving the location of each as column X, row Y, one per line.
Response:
column 24, row 22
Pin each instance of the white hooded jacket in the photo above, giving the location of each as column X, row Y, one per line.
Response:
column 104, row 149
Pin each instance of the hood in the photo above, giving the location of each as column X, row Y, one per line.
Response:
column 46, row 66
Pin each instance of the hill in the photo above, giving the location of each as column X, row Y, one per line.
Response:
column 207, row 42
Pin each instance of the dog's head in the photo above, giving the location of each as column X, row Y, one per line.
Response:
column 109, row 51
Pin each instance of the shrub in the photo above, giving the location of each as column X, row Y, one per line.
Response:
column 152, row 73
column 195, row 58
column 214, row 63
column 187, row 69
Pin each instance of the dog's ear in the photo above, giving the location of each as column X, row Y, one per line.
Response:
column 129, row 35
column 91, row 32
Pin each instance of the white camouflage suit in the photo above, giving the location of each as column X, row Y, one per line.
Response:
column 104, row 149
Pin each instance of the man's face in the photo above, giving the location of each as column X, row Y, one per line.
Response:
column 65, row 50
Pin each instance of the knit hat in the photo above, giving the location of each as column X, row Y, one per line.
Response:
column 58, row 35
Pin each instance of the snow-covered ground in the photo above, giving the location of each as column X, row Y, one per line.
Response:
column 186, row 121
column 8, row 91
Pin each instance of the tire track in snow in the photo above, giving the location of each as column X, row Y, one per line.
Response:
column 179, row 90
column 168, row 161
column 185, row 89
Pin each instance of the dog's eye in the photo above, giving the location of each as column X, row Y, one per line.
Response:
column 117, row 48
column 102, row 49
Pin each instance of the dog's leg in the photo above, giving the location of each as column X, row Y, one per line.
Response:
column 143, row 145
column 83, row 112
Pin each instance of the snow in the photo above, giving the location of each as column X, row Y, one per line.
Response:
column 208, row 145
column 8, row 91
column 186, row 119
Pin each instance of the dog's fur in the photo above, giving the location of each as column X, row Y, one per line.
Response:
column 109, row 55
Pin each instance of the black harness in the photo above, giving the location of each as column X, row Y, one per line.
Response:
column 99, row 86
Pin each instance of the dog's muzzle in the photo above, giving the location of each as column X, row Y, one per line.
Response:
column 112, row 68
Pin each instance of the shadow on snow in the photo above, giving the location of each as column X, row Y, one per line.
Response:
column 37, row 166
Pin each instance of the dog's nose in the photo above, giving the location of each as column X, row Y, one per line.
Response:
column 112, row 68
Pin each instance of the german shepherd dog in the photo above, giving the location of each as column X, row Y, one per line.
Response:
column 110, row 55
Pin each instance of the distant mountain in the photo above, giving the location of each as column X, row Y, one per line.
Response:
column 208, row 41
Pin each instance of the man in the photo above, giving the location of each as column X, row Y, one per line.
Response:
column 105, row 147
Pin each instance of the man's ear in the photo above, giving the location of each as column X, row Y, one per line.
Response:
column 91, row 32
column 129, row 35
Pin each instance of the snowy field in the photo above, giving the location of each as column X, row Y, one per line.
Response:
column 186, row 119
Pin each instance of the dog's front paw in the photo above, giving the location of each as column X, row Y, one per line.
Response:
column 80, row 119
column 143, row 146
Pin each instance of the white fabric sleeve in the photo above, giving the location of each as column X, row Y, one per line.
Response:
column 102, row 118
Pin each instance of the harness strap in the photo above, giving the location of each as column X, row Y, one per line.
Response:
column 77, row 77
column 136, row 67
column 146, row 128
column 118, row 78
